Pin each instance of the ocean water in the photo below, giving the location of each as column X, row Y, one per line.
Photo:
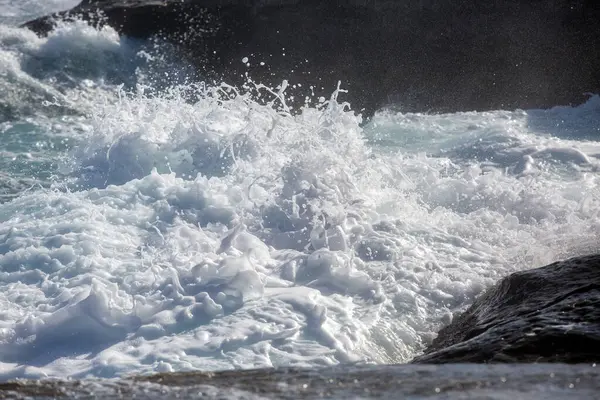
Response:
column 149, row 224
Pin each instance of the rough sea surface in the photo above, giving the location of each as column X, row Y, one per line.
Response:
column 146, row 226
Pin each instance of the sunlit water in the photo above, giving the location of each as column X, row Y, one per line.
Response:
column 143, row 232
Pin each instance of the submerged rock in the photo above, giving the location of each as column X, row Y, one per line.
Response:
column 548, row 314
column 419, row 55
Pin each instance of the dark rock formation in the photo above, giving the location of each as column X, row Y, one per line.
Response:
column 548, row 314
column 427, row 55
column 549, row 382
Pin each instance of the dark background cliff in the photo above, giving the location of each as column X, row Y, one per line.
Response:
column 422, row 55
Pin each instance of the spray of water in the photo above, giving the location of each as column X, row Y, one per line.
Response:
column 196, row 228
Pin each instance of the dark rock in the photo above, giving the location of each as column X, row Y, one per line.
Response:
column 551, row 382
column 426, row 55
column 548, row 314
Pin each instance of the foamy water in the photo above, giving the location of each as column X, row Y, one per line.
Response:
column 13, row 12
column 149, row 233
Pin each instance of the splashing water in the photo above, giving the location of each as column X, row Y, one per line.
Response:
column 167, row 234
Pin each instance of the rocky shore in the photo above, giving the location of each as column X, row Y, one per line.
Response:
column 548, row 314
column 416, row 55
column 451, row 381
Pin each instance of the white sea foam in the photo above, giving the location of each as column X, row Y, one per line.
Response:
column 15, row 12
column 228, row 234
column 66, row 73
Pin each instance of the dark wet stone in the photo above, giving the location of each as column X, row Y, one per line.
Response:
column 555, row 381
column 548, row 314
column 421, row 55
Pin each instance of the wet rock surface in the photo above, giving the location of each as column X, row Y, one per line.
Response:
column 555, row 381
column 548, row 314
column 419, row 55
